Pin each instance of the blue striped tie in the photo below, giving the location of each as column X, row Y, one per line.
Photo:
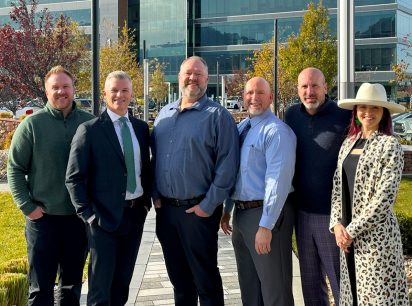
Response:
column 243, row 134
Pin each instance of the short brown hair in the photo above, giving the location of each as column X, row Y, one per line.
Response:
column 56, row 70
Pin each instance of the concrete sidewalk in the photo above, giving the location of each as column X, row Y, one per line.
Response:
column 151, row 286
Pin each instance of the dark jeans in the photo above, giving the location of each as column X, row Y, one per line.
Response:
column 189, row 246
column 113, row 257
column 56, row 245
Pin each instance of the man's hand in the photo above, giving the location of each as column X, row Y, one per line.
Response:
column 157, row 203
column 262, row 240
column 225, row 224
column 198, row 211
column 36, row 214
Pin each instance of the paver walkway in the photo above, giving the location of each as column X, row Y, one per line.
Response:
column 151, row 286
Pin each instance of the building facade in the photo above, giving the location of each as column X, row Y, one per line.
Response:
column 225, row 33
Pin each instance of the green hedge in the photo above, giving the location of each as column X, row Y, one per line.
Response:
column 405, row 225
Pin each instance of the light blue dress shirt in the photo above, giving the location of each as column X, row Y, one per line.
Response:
column 267, row 164
column 195, row 152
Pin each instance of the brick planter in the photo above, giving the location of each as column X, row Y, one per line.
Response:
column 407, row 153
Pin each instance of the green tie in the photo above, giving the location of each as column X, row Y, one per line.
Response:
column 128, row 155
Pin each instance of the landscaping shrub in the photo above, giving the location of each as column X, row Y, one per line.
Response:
column 19, row 265
column 405, row 225
column 3, row 165
column 3, row 297
column 7, row 141
column 5, row 115
column 17, row 288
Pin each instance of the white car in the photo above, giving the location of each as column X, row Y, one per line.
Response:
column 234, row 102
column 29, row 109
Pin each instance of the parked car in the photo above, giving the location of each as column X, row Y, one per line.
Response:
column 28, row 109
column 234, row 102
column 84, row 104
column 401, row 116
column 403, row 128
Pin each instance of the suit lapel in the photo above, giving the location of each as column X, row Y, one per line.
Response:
column 110, row 132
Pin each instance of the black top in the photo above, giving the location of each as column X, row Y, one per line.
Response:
column 348, row 181
column 319, row 138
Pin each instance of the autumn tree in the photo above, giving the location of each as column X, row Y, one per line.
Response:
column 158, row 86
column 117, row 55
column 403, row 77
column 236, row 83
column 314, row 46
column 32, row 45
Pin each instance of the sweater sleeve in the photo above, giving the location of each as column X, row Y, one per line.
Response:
column 18, row 166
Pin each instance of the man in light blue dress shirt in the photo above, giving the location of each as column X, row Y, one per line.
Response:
column 263, row 219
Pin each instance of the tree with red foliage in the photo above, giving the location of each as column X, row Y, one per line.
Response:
column 236, row 83
column 35, row 43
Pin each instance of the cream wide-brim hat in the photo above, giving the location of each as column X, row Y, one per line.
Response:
column 371, row 94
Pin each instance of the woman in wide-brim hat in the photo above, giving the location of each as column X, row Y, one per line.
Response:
column 365, row 186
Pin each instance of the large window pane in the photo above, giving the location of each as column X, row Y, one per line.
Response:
column 163, row 28
column 218, row 8
column 374, row 58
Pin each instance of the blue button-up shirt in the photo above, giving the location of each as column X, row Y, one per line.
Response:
column 267, row 164
column 195, row 152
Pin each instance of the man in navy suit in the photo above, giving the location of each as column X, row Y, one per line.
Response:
column 108, row 178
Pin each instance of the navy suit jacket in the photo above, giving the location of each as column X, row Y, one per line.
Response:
column 96, row 174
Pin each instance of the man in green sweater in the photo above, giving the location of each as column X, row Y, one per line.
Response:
column 56, row 237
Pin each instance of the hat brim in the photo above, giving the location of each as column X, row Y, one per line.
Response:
column 391, row 106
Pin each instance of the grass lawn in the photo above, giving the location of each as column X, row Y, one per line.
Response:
column 404, row 200
column 12, row 241
column 13, row 244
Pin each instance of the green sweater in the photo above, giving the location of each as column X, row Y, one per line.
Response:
column 37, row 160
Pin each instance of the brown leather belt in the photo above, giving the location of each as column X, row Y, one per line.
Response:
column 187, row 202
column 134, row 202
column 248, row 204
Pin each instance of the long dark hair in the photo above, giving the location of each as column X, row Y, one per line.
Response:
column 385, row 125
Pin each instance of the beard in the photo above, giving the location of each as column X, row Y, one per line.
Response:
column 193, row 93
column 312, row 106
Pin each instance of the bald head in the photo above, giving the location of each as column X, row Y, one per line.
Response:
column 312, row 89
column 257, row 96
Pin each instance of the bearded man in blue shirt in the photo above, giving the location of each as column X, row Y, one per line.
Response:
column 196, row 155
column 263, row 219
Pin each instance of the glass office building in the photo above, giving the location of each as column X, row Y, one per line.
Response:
column 229, row 31
column 79, row 11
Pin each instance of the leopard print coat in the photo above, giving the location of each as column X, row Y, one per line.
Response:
column 379, row 262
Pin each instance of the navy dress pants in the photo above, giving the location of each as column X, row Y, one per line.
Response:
column 189, row 246
column 318, row 258
column 56, row 245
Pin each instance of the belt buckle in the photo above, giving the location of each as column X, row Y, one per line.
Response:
column 176, row 202
column 132, row 203
column 241, row 205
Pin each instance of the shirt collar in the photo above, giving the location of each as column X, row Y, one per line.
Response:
column 115, row 117
column 198, row 105
column 256, row 119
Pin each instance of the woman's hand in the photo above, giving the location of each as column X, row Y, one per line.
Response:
column 343, row 239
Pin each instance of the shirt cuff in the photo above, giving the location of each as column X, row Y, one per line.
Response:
column 267, row 222
column 91, row 219
column 229, row 203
